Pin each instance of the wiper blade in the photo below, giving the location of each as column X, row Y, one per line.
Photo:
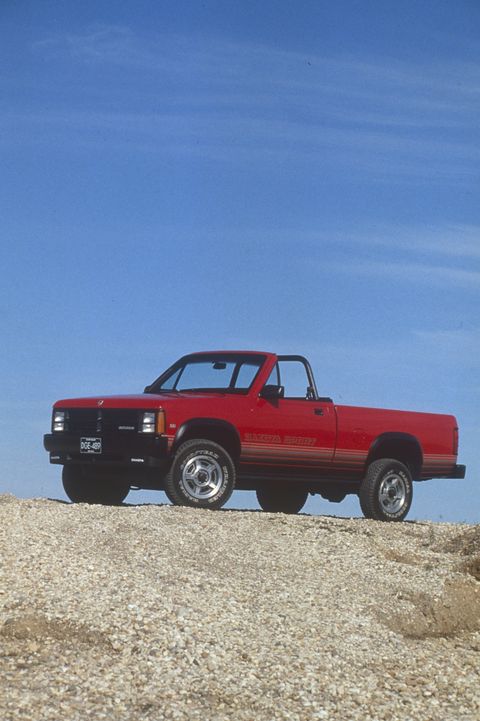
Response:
column 159, row 391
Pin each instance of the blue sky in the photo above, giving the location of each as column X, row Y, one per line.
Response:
column 297, row 177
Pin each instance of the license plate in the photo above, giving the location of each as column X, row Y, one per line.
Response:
column 90, row 445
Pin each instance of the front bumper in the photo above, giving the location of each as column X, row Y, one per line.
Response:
column 120, row 450
column 459, row 471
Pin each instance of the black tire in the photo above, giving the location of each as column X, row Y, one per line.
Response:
column 202, row 475
column 279, row 498
column 387, row 490
column 86, row 485
column 167, row 493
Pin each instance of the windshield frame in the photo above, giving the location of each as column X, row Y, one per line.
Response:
column 221, row 357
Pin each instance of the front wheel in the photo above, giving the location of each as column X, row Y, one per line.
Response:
column 386, row 492
column 84, row 485
column 202, row 475
column 281, row 499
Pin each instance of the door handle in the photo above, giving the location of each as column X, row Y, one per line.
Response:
column 318, row 411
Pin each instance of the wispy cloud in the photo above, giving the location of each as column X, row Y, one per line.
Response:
column 238, row 102
column 423, row 344
column 243, row 138
column 444, row 255
column 458, row 241
column 466, row 339
column 119, row 45
column 425, row 273
column 423, row 245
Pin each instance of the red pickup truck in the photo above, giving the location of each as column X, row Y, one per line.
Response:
column 248, row 420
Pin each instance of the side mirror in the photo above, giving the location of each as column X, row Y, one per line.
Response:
column 271, row 392
column 147, row 389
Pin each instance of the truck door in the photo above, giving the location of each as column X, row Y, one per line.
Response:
column 297, row 430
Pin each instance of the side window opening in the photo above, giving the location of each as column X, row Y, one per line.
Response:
column 294, row 378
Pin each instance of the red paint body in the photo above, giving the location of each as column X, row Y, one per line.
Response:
column 305, row 437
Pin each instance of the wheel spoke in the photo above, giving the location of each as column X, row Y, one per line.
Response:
column 191, row 468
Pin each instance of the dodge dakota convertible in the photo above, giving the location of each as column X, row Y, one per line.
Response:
column 247, row 420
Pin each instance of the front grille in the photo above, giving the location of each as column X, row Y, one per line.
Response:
column 90, row 421
column 83, row 420
column 123, row 419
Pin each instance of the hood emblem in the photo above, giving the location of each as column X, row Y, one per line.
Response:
column 99, row 403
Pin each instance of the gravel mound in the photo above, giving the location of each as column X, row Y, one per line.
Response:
column 158, row 612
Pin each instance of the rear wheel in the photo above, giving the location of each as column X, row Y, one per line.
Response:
column 281, row 499
column 86, row 485
column 386, row 492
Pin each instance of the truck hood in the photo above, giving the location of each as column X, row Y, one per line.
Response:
column 140, row 400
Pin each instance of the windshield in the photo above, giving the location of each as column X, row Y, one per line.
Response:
column 223, row 373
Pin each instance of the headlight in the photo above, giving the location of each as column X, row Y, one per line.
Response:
column 58, row 423
column 147, row 422
column 152, row 422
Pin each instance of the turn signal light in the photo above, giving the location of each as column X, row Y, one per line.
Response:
column 160, row 427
